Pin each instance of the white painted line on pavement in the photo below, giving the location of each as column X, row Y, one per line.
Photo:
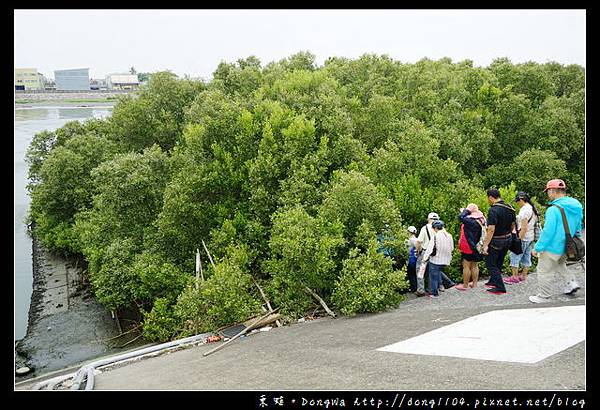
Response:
column 513, row 335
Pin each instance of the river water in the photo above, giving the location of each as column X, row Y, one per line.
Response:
column 28, row 122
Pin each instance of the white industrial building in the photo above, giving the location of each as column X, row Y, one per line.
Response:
column 75, row 79
column 122, row 82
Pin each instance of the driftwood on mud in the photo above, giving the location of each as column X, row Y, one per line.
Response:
column 321, row 301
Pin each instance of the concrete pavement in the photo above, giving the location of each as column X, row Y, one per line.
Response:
column 340, row 354
column 331, row 354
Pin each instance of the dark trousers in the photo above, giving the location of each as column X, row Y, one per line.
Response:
column 435, row 277
column 444, row 279
column 495, row 259
column 411, row 272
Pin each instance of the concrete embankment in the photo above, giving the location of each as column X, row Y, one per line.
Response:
column 66, row 324
column 21, row 96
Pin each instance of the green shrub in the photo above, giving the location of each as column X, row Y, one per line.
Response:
column 57, row 238
column 368, row 283
column 160, row 324
column 353, row 200
column 303, row 253
column 226, row 297
column 158, row 278
column 191, row 312
column 115, row 284
column 229, row 294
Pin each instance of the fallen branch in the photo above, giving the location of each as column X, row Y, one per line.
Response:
column 264, row 322
column 131, row 341
column 208, row 253
column 321, row 301
column 119, row 335
column 266, row 300
column 238, row 335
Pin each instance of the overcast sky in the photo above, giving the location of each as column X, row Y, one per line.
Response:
column 195, row 41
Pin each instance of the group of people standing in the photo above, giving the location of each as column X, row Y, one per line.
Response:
column 489, row 239
column 431, row 251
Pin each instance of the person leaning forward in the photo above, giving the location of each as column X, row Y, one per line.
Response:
column 501, row 222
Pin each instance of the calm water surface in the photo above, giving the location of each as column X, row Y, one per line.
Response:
column 28, row 122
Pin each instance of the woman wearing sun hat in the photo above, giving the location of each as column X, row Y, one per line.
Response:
column 471, row 229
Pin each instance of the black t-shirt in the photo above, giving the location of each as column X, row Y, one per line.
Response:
column 501, row 217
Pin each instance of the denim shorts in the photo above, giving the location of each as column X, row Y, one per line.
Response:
column 524, row 258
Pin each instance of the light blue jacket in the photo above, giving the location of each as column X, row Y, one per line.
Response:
column 552, row 238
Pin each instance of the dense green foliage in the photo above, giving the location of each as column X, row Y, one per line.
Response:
column 303, row 254
column 368, row 283
column 287, row 172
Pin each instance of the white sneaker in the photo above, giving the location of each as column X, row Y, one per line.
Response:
column 571, row 288
column 538, row 299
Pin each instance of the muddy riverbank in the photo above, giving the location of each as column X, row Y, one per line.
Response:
column 66, row 324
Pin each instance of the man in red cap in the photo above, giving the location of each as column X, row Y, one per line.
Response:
column 551, row 247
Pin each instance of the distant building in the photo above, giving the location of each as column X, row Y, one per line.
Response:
column 28, row 79
column 122, row 82
column 72, row 79
column 98, row 84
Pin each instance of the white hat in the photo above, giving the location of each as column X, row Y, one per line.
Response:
column 433, row 215
column 412, row 229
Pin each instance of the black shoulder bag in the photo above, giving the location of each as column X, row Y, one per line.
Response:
column 434, row 251
column 575, row 248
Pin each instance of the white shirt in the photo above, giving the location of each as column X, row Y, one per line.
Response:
column 423, row 238
column 411, row 242
column 526, row 212
column 444, row 244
